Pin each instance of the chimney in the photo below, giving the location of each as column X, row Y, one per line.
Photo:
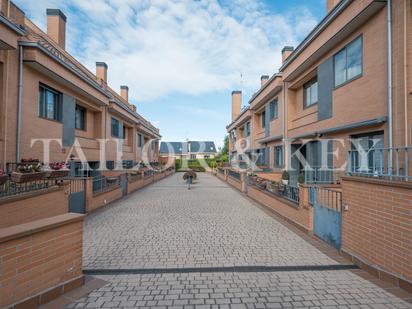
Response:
column 101, row 71
column 56, row 26
column 286, row 51
column 263, row 80
column 330, row 4
column 236, row 103
column 124, row 92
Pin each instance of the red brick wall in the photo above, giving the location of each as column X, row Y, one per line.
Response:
column 18, row 210
column 96, row 201
column 377, row 227
column 134, row 185
column 302, row 215
column 39, row 255
column 235, row 183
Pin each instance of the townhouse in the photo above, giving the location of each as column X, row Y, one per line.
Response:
column 45, row 93
column 348, row 84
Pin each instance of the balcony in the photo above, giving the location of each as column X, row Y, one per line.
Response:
column 382, row 163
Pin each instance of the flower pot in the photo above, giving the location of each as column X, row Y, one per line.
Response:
column 59, row 173
column 3, row 179
column 285, row 181
column 26, row 177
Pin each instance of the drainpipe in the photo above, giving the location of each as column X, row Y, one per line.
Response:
column 405, row 71
column 390, row 116
column 284, row 126
column 19, row 103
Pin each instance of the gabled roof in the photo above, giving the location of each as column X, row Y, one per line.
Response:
column 203, row 147
column 179, row 148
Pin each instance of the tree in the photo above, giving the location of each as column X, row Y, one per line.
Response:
column 225, row 149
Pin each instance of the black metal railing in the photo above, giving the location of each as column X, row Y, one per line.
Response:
column 233, row 174
column 11, row 188
column 102, row 183
column 148, row 173
column 134, row 176
column 288, row 192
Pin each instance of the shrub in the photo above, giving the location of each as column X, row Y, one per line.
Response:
column 285, row 175
column 301, row 178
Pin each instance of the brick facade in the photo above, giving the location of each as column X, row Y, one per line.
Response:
column 33, row 206
column 43, row 255
column 301, row 215
column 377, row 228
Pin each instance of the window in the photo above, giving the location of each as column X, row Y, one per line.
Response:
column 263, row 119
column 348, row 62
column 124, row 132
column 247, row 129
column 110, row 165
column 115, row 127
column 140, row 140
column 192, row 156
column 278, row 156
column 80, row 118
column 50, row 104
column 310, row 93
column 273, row 109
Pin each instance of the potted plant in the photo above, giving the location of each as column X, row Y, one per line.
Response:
column 58, row 170
column 301, row 178
column 285, row 177
column 28, row 170
column 3, row 177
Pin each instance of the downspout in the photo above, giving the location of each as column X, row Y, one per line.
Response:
column 284, row 126
column 405, row 71
column 390, row 116
column 19, row 103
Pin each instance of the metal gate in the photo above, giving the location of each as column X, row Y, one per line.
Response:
column 327, row 221
column 124, row 180
column 77, row 195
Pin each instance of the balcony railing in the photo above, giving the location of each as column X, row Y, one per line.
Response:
column 102, row 183
column 233, row 174
column 386, row 163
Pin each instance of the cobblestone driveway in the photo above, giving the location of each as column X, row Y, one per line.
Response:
column 212, row 225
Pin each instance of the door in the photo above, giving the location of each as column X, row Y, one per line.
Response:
column 327, row 215
column 123, row 179
column 77, row 195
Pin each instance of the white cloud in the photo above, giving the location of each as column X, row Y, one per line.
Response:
column 162, row 47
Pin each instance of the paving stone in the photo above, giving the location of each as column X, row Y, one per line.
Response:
column 212, row 225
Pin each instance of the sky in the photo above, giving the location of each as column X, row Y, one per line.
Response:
column 182, row 58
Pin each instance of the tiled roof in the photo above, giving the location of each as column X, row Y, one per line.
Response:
column 37, row 37
column 183, row 147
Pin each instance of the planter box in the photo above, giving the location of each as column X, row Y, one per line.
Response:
column 26, row 177
column 3, row 179
column 59, row 173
